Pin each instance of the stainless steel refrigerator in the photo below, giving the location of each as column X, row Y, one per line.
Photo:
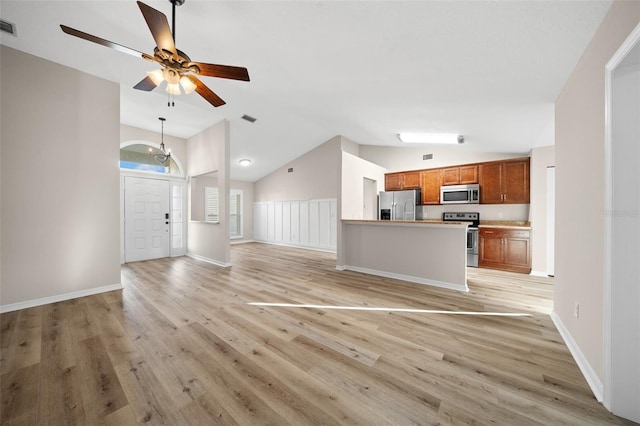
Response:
column 399, row 205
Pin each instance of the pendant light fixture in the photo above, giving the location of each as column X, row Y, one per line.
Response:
column 163, row 155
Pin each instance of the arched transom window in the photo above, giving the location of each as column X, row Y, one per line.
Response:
column 147, row 158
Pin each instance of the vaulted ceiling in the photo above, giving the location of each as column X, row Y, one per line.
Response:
column 367, row 70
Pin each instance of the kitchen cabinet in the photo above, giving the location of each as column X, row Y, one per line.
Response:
column 411, row 180
column 460, row 175
column 507, row 249
column 505, row 182
column 393, row 181
column 402, row 180
column 430, row 181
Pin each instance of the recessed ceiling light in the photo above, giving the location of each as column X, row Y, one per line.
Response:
column 244, row 162
column 441, row 138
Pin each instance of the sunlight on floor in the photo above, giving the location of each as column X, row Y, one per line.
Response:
column 366, row 308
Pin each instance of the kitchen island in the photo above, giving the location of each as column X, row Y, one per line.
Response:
column 427, row 252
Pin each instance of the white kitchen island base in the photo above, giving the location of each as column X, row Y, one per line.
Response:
column 431, row 253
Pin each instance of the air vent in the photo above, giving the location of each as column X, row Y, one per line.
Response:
column 7, row 27
column 427, row 157
column 290, row 170
column 249, row 118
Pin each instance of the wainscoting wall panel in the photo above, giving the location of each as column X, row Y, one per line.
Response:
column 311, row 223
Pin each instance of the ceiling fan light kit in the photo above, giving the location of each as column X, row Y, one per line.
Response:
column 177, row 68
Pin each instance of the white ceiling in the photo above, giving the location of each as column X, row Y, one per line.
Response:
column 490, row 70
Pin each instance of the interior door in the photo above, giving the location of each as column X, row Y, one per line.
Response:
column 369, row 199
column 551, row 220
column 146, row 219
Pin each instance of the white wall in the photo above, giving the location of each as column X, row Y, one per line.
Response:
column 541, row 159
column 315, row 176
column 579, row 121
column 60, row 215
column 397, row 159
column 178, row 146
column 207, row 152
column 354, row 171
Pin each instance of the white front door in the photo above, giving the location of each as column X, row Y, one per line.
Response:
column 146, row 219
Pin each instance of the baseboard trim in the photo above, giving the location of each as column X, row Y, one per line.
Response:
column 209, row 260
column 58, row 298
column 409, row 278
column 314, row 248
column 585, row 368
column 233, row 243
column 538, row 274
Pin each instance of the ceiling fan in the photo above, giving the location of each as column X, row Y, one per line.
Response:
column 177, row 68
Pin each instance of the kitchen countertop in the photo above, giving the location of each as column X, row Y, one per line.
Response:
column 516, row 224
column 420, row 222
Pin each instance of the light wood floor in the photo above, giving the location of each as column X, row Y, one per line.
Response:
column 182, row 345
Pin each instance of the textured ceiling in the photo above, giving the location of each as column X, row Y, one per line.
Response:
column 490, row 70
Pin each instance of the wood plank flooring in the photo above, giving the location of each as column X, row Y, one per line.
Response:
column 182, row 345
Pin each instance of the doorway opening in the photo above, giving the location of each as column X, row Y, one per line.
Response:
column 370, row 199
column 622, row 231
column 152, row 204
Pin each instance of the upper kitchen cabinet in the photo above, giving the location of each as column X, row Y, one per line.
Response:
column 393, row 181
column 460, row 175
column 430, row 181
column 402, row 180
column 505, row 182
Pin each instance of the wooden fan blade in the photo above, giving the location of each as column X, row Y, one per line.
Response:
column 159, row 27
column 223, row 71
column 103, row 42
column 146, row 84
column 205, row 92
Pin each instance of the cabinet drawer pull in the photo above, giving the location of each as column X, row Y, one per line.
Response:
column 487, row 232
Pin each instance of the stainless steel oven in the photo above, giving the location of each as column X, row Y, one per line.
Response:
column 472, row 233
column 472, row 247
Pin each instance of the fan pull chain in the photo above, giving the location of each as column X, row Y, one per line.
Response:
column 171, row 100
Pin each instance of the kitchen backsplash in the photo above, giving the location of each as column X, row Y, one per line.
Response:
column 487, row 211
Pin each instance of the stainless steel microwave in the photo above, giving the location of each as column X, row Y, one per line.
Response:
column 460, row 194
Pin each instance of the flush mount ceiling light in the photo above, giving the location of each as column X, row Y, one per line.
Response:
column 245, row 162
column 439, row 138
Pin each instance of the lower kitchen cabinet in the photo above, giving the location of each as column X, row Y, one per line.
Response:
column 507, row 249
